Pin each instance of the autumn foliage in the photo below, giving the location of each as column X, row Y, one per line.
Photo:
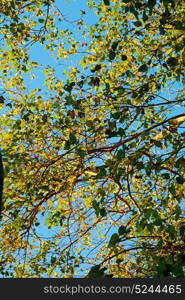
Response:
column 93, row 151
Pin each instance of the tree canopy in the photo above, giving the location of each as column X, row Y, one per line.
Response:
column 94, row 156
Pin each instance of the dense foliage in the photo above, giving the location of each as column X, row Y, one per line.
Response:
column 93, row 158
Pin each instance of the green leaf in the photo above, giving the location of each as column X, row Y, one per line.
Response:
column 180, row 162
column 106, row 2
column 178, row 25
column 165, row 175
column 114, row 45
column 122, row 230
column 61, row 221
column 172, row 190
column 171, row 231
column 81, row 152
column 161, row 30
column 157, row 218
column 17, row 124
column 182, row 230
column 90, row 123
column 41, row 20
column 95, row 205
column 172, row 61
column 133, row 11
column 53, row 259
column 145, row 17
column 159, row 244
column 67, row 145
column 95, row 81
column 177, row 212
column 96, row 272
column 112, row 54
column 2, row 99
column 149, row 227
column 121, row 131
column 96, row 68
column 143, row 224
column 138, row 23
column 116, row 115
column 72, row 138
column 158, row 144
column 102, row 172
column 44, row 118
column 113, row 240
column 9, row 104
column 103, row 212
column 119, row 260
column 120, row 154
column 143, row 68
column 180, row 180
column 124, row 57
column 151, row 4
column 81, row 83
column 69, row 87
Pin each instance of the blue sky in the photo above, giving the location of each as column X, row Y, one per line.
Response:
column 72, row 11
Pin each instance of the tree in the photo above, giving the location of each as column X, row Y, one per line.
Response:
column 1, row 184
column 94, row 162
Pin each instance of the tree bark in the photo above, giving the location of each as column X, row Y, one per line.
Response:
column 1, row 184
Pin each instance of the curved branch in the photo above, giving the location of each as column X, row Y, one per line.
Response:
column 176, row 121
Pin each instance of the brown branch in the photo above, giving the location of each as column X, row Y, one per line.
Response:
column 110, row 148
column 124, row 201
column 162, row 167
column 47, row 15
column 123, row 251
column 87, row 230
column 130, row 194
column 142, row 237
column 36, row 209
